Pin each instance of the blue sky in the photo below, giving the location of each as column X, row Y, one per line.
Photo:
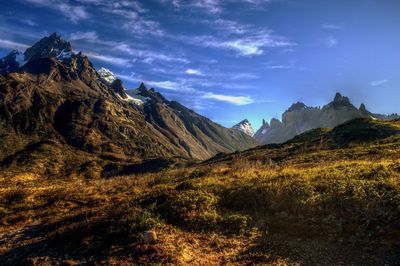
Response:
column 229, row 59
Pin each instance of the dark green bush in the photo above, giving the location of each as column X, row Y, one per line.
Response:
column 235, row 223
column 129, row 221
column 200, row 172
column 186, row 185
column 195, row 209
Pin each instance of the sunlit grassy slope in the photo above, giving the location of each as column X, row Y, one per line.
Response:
column 327, row 197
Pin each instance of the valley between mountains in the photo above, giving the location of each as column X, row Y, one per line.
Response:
column 92, row 173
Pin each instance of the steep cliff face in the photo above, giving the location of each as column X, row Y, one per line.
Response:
column 56, row 95
column 300, row 118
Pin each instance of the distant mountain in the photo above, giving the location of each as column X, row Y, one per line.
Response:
column 245, row 127
column 48, row 93
column 300, row 118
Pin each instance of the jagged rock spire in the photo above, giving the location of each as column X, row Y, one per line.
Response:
column 142, row 87
column 52, row 46
column 363, row 110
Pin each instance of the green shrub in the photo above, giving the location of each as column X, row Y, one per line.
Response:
column 195, row 209
column 186, row 185
column 236, row 223
column 129, row 221
column 200, row 172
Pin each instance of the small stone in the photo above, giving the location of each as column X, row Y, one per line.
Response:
column 149, row 237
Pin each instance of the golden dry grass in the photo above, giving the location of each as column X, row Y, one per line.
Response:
column 272, row 205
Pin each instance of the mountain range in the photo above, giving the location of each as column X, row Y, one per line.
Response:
column 300, row 118
column 54, row 104
column 56, row 108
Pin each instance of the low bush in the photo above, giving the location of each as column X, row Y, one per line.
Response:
column 235, row 223
column 129, row 221
column 193, row 209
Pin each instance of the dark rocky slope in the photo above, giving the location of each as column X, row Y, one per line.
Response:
column 56, row 95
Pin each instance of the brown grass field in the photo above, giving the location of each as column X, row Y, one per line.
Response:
column 328, row 197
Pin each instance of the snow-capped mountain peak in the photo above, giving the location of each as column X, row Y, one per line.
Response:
column 106, row 75
column 245, row 127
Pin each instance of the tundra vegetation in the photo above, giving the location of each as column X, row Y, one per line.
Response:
column 325, row 197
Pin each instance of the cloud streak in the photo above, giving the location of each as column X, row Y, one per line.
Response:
column 244, row 39
column 331, row 27
column 236, row 100
column 146, row 56
column 9, row 44
column 211, row 6
column 377, row 83
column 331, row 42
column 110, row 59
column 194, row 72
column 74, row 13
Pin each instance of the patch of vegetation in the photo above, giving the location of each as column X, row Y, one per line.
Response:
column 279, row 204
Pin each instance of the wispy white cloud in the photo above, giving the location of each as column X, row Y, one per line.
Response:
column 244, row 39
column 110, row 59
column 194, row 72
column 331, row 41
column 12, row 44
column 236, row 100
column 244, row 76
column 172, row 85
column 143, row 27
column 88, row 36
column 147, row 56
column 131, row 78
column 116, row 5
column 274, row 66
column 331, row 27
column 181, row 87
column 27, row 21
column 244, row 46
column 377, row 83
column 169, row 85
column 279, row 67
column 211, row 6
column 75, row 13
column 132, row 15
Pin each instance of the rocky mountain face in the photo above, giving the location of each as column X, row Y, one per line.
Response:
column 245, row 127
column 300, row 118
column 198, row 136
column 56, row 96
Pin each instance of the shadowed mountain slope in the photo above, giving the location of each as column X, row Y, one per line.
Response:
column 49, row 93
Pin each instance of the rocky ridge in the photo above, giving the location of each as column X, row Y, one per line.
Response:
column 300, row 118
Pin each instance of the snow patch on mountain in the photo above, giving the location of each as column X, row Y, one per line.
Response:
column 107, row 75
column 65, row 55
column 20, row 58
column 134, row 96
column 245, row 127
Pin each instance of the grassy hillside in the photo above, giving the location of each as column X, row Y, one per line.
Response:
column 329, row 197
